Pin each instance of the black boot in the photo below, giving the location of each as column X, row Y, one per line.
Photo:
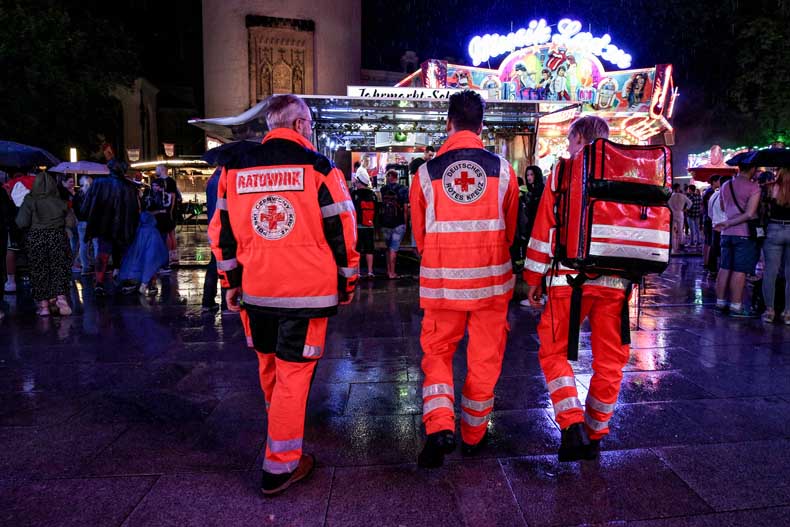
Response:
column 436, row 447
column 594, row 450
column 574, row 444
column 471, row 450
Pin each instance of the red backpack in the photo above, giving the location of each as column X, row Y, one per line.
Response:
column 612, row 214
column 612, row 219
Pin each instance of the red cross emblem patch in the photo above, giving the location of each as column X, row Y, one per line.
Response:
column 273, row 217
column 464, row 181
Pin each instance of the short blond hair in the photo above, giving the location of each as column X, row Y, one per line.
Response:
column 590, row 128
column 283, row 110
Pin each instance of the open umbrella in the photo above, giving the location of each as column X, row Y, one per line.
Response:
column 80, row 167
column 18, row 155
column 739, row 159
column 769, row 157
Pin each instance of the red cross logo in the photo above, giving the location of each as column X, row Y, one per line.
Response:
column 464, row 181
column 272, row 216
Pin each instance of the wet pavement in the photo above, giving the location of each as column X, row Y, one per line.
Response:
column 143, row 412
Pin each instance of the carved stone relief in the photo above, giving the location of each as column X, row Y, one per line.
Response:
column 280, row 58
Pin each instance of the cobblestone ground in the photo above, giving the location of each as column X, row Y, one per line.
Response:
column 143, row 412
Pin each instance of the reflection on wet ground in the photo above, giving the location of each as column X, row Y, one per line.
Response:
column 143, row 411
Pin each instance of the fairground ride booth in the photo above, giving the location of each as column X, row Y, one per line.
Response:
column 558, row 66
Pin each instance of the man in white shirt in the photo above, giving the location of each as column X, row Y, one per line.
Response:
column 678, row 204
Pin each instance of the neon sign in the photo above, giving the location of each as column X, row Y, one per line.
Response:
column 569, row 35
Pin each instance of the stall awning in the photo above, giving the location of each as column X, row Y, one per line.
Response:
column 357, row 115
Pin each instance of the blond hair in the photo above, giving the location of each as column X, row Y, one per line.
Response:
column 590, row 128
column 783, row 187
column 283, row 110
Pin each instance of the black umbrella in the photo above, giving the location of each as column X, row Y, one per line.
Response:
column 19, row 155
column 769, row 157
column 225, row 154
column 739, row 159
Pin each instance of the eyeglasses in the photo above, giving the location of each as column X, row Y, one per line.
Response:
column 312, row 123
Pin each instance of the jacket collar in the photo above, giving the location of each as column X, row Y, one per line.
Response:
column 288, row 135
column 462, row 139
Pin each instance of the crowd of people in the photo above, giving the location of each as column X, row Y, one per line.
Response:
column 112, row 227
column 747, row 240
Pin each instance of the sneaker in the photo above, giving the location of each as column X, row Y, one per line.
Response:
column 786, row 318
column 165, row 270
column 63, row 307
column 436, row 447
column 722, row 308
column 128, row 289
column 769, row 316
column 152, row 290
column 371, row 275
column 99, row 290
column 10, row 286
column 471, row 450
column 574, row 444
column 273, row 484
column 744, row 312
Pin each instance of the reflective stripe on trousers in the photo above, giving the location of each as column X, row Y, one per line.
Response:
column 435, row 404
column 478, row 406
column 277, row 467
column 473, row 420
column 437, row 389
column 561, row 382
column 566, row 404
column 276, row 447
column 594, row 404
column 594, row 424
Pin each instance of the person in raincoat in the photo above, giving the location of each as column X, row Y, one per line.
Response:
column 147, row 254
column 43, row 214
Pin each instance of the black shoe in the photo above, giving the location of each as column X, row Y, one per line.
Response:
column 471, row 450
column 574, row 443
column 210, row 309
column 594, row 450
column 99, row 290
column 436, row 447
column 273, row 484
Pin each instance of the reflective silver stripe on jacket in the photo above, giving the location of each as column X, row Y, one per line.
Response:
column 535, row 267
column 348, row 272
column 473, row 420
column 431, row 225
column 566, row 404
column 468, row 294
column 227, row 265
column 654, row 254
column 479, row 406
column 249, row 342
column 222, row 204
column 613, row 282
column 561, row 382
column 335, row 209
column 539, row 246
column 595, row 424
column 277, row 467
column 504, row 181
column 594, row 404
column 454, row 273
column 296, row 302
column 311, row 352
column 268, row 404
column 435, row 404
column 278, row 447
column 630, row 233
column 437, row 389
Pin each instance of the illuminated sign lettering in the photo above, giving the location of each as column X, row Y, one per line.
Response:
column 569, row 35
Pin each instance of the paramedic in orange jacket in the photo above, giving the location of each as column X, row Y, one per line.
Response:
column 464, row 206
column 285, row 240
column 602, row 301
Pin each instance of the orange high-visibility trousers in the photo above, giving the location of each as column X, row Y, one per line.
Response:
column 287, row 350
column 442, row 329
column 604, row 307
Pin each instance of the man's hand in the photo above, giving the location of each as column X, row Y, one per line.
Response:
column 232, row 297
column 720, row 226
column 535, row 295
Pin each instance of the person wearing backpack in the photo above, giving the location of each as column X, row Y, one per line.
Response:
column 365, row 202
column 394, row 209
column 603, row 299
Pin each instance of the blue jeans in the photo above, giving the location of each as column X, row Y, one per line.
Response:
column 85, row 257
column 694, row 235
column 393, row 236
column 777, row 245
column 739, row 254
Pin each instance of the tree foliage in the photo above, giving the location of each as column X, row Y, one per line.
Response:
column 58, row 69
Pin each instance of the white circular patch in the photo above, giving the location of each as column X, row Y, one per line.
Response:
column 464, row 181
column 273, row 217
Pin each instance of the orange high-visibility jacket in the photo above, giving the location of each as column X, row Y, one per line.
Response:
column 285, row 228
column 464, row 212
column 539, row 260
